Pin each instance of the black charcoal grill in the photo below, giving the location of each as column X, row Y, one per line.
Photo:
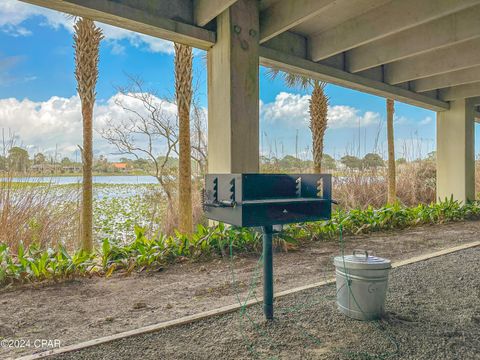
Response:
column 264, row 200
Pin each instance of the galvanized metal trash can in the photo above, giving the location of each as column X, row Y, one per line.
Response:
column 361, row 284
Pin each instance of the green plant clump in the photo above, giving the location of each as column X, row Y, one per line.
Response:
column 391, row 217
column 34, row 264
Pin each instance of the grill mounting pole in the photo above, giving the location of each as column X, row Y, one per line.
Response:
column 267, row 272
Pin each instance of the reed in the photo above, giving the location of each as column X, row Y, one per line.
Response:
column 416, row 182
column 37, row 213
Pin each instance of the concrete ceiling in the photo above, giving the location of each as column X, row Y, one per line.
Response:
column 423, row 52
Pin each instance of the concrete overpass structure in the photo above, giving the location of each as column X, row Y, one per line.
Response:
column 421, row 52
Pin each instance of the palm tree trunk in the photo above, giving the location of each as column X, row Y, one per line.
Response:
column 183, row 90
column 87, row 184
column 318, row 123
column 87, row 39
column 392, row 191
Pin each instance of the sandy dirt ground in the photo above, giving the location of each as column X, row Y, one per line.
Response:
column 432, row 308
column 84, row 309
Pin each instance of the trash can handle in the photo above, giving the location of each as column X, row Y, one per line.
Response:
column 365, row 252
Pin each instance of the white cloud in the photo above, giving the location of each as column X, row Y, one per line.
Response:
column 43, row 124
column 16, row 31
column 57, row 122
column 426, row 121
column 343, row 116
column 13, row 13
column 287, row 108
column 292, row 110
column 401, row 120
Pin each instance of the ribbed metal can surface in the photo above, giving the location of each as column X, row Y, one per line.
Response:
column 362, row 282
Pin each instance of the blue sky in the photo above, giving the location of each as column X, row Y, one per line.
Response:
column 38, row 97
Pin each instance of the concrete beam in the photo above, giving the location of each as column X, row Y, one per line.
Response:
column 286, row 62
column 148, row 17
column 461, row 26
column 143, row 19
column 460, row 92
column 205, row 11
column 459, row 77
column 456, row 152
column 284, row 15
column 289, row 43
column 383, row 21
column 452, row 58
column 233, row 91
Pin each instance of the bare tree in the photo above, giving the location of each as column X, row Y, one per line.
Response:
column 146, row 128
column 87, row 39
column 199, row 139
column 151, row 131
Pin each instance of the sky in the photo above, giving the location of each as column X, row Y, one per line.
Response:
column 40, row 106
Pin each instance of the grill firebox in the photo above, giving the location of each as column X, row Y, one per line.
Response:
column 252, row 200
column 268, row 199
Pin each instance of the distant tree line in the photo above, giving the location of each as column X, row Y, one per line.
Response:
column 18, row 160
column 370, row 161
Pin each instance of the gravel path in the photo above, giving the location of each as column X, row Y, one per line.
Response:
column 433, row 312
column 88, row 308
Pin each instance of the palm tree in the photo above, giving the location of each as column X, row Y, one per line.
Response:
column 318, row 110
column 87, row 39
column 183, row 92
column 391, row 196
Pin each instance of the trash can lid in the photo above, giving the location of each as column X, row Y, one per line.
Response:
column 360, row 259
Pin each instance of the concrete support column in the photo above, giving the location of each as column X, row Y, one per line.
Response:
column 456, row 151
column 233, row 90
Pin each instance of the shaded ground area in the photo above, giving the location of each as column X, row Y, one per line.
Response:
column 84, row 309
column 433, row 312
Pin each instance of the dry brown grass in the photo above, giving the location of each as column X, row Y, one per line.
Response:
column 170, row 219
column 416, row 182
column 359, row 189
column 38, row 213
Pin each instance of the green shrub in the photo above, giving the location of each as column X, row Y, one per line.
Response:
column 386, row 218
column 34, row 264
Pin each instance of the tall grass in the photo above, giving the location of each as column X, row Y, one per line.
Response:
column 167, row 220
column 416, row 182
column 37, row 213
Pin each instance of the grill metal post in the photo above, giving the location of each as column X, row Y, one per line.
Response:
column 267, row 272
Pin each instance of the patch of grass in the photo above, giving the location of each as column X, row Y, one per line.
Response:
column 28, row 264
column 19, row 185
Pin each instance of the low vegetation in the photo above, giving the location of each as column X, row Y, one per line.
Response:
column 28, row 264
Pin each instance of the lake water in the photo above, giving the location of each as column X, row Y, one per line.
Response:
column 111, row 180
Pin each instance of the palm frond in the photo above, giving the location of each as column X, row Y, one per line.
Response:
column 292, row 80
